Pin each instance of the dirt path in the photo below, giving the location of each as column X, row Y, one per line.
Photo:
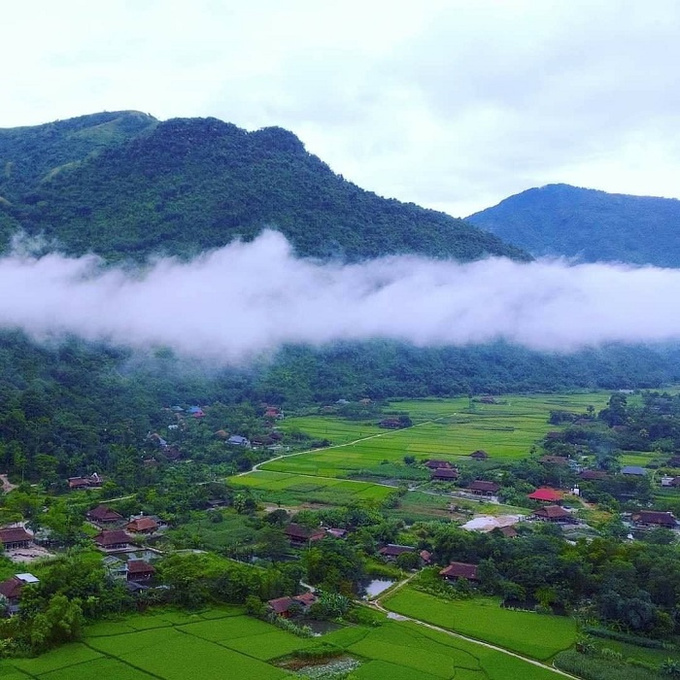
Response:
column 6, row 485
column 376, row 604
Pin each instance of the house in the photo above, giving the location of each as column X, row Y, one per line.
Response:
column 425, row 556
column 116, row 539
column 273, row 412
column 12, row 538
column 238, row 440
column 444, row 475
column 555, row 514
column 390, row 423
column 284, row 606
column 554, row 460
column 391, row 551
column 139, row 570
column 457, row 570
column 301, row 535
column 103, row 514
column 142, row 525
column 545, row 495
column 654, row 518
column 336, row 533
column 482, row 488
column 92, row 481
column 479, row 455
column 171, row 453
column 593, row 475
column 437, row 464
column 12, row 587
column 633, row 471
column 156, row 439
column 508, row 532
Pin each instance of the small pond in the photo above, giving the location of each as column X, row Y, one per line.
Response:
column 376, row 586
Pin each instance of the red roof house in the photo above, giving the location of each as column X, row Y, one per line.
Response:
column 593, row 475
column 554, row 460
column 479, row 455
column 282, row 605
column 103, row 514
column 139, row 570
column 484, row 488
column 546, row 495
column 142, row 525
column 655, row 518
column 301, row 535
column 112, row 540
column 391, row 551
column 444, row 475
column 437, row 464
column 554, row 513
column 12, row 587
column 509, row 532
column 14, row 537
column 457, row 570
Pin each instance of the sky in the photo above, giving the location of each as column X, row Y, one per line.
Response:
column 273, row 298
column 451, row 104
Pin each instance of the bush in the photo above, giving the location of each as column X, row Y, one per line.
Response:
column 323, row 651
column 598, row 668
column 625, row 637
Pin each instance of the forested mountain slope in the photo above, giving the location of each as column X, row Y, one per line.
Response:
column 590, row 225
column 187, row 185
column 31, row 156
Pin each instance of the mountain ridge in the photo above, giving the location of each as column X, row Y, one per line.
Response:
column 588, row 224
column 186, row 185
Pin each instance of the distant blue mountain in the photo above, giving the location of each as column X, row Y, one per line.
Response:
column 590, row 225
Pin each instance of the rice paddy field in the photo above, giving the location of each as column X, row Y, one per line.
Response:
column 223, row 643
column 448, row 429
column 538, row 636
column 282, row 487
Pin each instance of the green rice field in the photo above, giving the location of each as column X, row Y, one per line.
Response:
column 283, row 487
column 223, row 643
column 444, row 428
column 536, row 635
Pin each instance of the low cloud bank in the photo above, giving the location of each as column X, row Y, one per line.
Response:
column 245, row 299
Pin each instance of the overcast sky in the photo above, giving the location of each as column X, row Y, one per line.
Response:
column 450, row 104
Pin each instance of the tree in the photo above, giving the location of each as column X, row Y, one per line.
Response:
column 408, row 561
column 61, row 622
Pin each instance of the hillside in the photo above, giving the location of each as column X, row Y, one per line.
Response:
column 186, row 185
column 30, row 156
column 590, row 225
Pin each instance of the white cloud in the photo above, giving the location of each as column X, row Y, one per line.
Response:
column 245, row 299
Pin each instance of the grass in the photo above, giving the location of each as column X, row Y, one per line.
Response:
column 534, row 635
column 222, row 642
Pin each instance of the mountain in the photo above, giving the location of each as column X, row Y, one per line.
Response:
column 137, row 187
column 589, row 225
